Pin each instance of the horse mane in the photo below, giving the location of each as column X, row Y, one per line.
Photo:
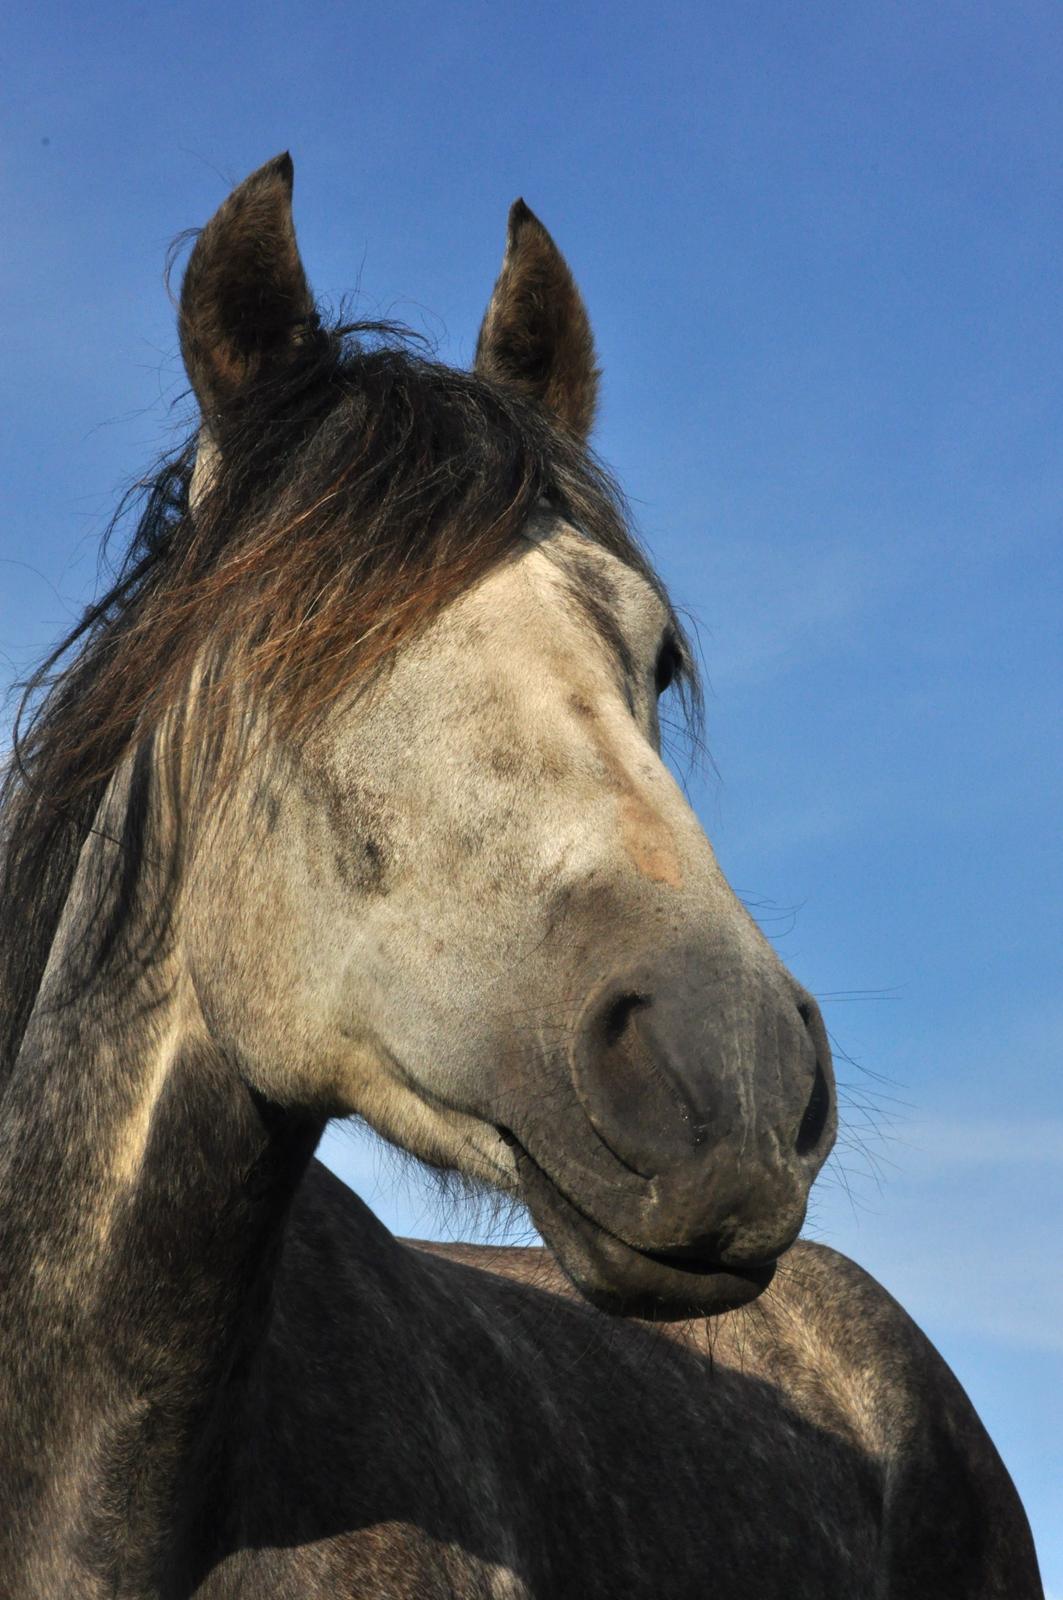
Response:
column 351, row 506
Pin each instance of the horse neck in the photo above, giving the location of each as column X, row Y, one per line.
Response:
column 144, row 1190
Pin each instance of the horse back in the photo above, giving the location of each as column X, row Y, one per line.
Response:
column 839, row 1352
column 491, row 1434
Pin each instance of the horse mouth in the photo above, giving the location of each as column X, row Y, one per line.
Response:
column 621, row 1278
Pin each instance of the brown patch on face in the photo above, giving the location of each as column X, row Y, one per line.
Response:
column 649, row 843
column 507, row 763
column 644, row 836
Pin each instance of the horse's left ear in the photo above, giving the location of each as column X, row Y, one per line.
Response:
column 536, row 335
column 246, row 307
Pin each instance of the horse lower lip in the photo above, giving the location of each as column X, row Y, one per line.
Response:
column 700, row 1265
column 621, row 1276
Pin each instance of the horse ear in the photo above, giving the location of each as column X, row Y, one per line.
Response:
column 536, row 335
column 246, row 307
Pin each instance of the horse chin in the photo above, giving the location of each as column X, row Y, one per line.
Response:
column 623, row 1280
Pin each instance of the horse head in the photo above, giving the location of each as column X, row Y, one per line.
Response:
column 466, row 900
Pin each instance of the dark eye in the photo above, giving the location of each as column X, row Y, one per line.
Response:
column 669, row 661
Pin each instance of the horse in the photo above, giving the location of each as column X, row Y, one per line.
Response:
column 347, row 799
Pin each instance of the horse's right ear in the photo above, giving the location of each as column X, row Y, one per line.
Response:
column 246, row 307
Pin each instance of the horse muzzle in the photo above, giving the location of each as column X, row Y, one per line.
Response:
column 679, row 1171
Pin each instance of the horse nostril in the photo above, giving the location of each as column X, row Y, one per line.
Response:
column 623, row 1075
column 815, row 1118
column 618, row 1014
column 817, row 1114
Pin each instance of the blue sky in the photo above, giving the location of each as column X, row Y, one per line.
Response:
column 822, row 247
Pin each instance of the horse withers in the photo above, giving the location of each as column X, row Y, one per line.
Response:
column 347, row 799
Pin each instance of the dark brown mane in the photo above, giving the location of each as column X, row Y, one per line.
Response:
column 353, row 505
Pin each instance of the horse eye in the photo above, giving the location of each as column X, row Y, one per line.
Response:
column 669, row 661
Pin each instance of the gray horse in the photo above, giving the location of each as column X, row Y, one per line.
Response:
column 348, row 799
